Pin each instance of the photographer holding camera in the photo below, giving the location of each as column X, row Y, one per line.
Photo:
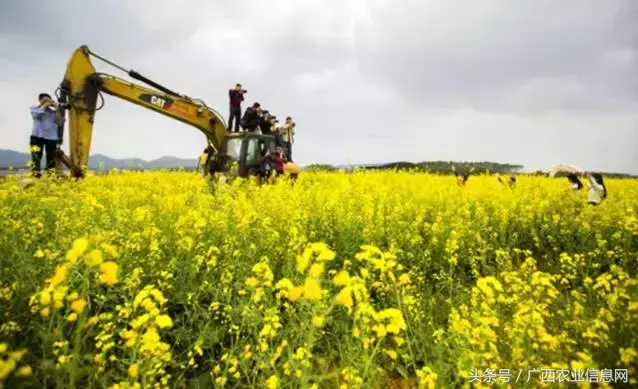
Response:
column 236, row 96
column 287, row 136
column 251, row 119
column 44, row 133
column 265, row 122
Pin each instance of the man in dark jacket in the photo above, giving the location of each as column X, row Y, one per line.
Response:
column 265, row 122
column 251, row 118
column 236, row 96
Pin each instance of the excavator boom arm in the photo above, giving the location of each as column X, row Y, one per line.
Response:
column 81, row 91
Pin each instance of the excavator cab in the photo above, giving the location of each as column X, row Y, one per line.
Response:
column 247, row 152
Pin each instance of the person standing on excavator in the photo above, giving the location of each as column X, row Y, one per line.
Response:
column 251, row 118
column 236, row 96
column 265, row 122
column 44, row 134
column 287, row 136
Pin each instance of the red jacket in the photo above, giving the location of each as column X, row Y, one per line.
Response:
column 235, row 98
column 278, row 160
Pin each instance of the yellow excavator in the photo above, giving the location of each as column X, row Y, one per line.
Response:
column 81, row 94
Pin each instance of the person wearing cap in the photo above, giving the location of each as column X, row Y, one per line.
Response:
column 44, row 133
column 236, row 96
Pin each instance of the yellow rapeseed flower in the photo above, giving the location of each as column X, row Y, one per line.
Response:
column 94, row 258
column 628, row 355
column 164, row 321
column 316, row 270
column 60, row 276
column 140, row 320
column 78, row 306
column 323, row 252
column 345, row 297
column 302, row 262
column 341, row 279
column 80, row 245
column 312, row 289
column 133, row 370
column 45, row 297
column 108, row 273
column 272, row 382
column 130, row 337
column 318, row 321
column 24, row 371
column 150, row 340
column 295, row 293
column 58, row 296
column 284, row 284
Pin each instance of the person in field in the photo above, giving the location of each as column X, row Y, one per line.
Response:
column 511, row 182
column 44, row 133
column 461, row 180
column 575, row 183
column 279, row 160
column 272, row 164
column 597, row 190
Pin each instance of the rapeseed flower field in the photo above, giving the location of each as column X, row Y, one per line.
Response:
column 369, row 279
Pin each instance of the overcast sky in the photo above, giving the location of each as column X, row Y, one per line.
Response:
column 533, row 82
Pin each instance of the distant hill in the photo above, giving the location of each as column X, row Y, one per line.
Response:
column 19, row 160
column 13, row 158
column 443, row 167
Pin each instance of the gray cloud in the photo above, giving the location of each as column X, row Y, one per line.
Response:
column 485, row 56
column 112, row 25
column 531, row 82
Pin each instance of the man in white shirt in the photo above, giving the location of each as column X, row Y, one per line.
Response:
column 287, row 133
column 597, row 189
